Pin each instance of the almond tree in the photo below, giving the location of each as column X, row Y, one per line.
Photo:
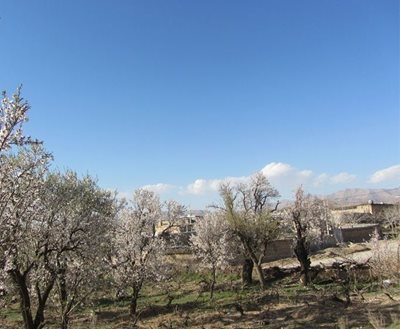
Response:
column 139, row 249
column 310, row 218
column 52, row 227
column 299, row 214
column 80, row 216
column 212, row 243
column 320, row 217
column 13, row 113
column 14, row 169
column 24, row 232
column 249, row 214
column 55, row 235
column 23, row 166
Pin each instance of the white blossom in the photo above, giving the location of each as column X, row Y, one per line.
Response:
column 138, row 255
column 213, row 243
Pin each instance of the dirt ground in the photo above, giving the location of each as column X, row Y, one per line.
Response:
column 327, row 303
column 313, row 309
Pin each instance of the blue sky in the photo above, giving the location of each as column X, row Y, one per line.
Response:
column 186, row 93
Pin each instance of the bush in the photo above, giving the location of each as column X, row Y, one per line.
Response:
column 385, row 260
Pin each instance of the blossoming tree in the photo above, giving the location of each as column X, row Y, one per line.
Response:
column 79, row 216
column 139, row 249
column 213, row 243
column 248, row 211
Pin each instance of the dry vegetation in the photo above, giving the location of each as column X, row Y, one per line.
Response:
column 340, row 296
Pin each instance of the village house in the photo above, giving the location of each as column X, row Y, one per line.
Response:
column 179, row 233
column 371, row 208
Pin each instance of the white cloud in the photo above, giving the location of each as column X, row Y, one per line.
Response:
column 234, row 180
column 306, row 173
column 321, row 179
column 125, row 195
column 283, row 176
column 276, row 169
column 199, row 186
column 158, row 188
column 202, row 186
column 119, row 194
column 280, row 174
column 391, row 173
column 342, row 178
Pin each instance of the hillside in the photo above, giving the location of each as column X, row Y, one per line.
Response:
column 358, row 196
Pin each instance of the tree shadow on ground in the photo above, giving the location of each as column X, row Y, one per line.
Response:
column 317, row 313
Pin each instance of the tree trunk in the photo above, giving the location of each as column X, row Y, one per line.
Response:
column 247, row 272
column 133, row 307
column 253, row 258
column 20, row 282
column 39, row 322
column 64, row 322
column 25, row 301
column 65, row 306
column 260, row 275
column 301, row 248
column 39, row 318
column 301, row 252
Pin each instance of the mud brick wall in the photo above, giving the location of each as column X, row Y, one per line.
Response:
column 279, row 249
column 356, row 234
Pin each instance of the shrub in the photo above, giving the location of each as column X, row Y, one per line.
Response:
column 385, row 260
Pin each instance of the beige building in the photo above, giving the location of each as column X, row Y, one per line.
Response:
column 356, row 232
column 371, row 208
column 183, row 225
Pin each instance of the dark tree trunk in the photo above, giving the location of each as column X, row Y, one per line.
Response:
column 25, row 301
column 65, row 306
column 39, row 318
column 301, row 252
column 133, row 306
column 255, row 262
column 39, row 322
column 64, row 322
column 247, row 272
column 301, row 247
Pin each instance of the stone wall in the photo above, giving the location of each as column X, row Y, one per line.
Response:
column 277, row 249
column 328, row 241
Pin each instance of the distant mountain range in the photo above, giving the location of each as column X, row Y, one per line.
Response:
column 358, row 196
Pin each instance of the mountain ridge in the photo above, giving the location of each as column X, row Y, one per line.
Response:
column 352, row 196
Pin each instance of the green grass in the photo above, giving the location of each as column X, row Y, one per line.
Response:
column 190, row 299
column 12, row 314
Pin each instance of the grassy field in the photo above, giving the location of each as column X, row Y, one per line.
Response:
column 184, row 303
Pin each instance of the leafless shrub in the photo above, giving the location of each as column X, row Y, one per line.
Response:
column 377, row 320
column 391, row 221
column 385, row 260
